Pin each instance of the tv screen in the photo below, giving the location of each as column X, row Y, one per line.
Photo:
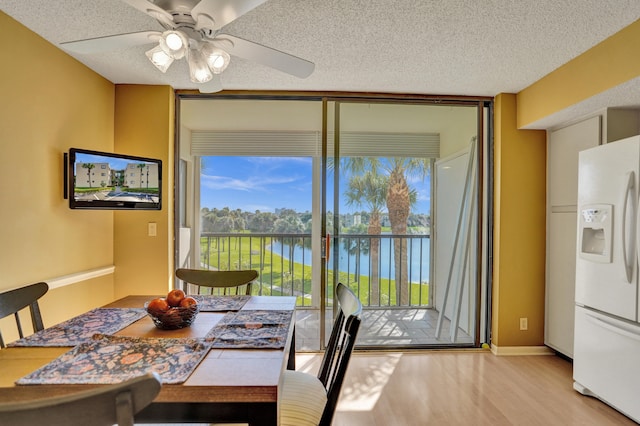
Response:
column 109, row 181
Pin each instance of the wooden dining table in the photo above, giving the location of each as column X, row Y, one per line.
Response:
column 228, row 385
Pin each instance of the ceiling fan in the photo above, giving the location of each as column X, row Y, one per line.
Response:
column 193, row 31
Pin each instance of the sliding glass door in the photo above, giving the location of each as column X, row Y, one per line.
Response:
column 314, row 192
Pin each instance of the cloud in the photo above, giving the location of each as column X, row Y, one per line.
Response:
column 424, row 195
column 251, row 183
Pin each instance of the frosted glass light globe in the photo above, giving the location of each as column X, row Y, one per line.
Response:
column 174, row 42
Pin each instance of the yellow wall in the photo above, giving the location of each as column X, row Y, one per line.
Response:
column 608, row 64
column 519, row 236
column 50, row 102
column 144, row 126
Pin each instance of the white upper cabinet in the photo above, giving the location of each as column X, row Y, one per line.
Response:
column 564, row 146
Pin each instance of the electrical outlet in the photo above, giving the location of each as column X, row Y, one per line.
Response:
column 152, row 229
column 524, row 324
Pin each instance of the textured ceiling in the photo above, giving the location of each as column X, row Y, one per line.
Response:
column 453, row 47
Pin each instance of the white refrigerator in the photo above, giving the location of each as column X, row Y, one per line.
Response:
column 606, row 354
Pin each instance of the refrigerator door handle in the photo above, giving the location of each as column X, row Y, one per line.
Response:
column 618, row 329
column 629, row 235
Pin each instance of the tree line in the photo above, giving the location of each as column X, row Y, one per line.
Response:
column 289, row 221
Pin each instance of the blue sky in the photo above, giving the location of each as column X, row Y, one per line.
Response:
column 266, row 184
column 114, row 163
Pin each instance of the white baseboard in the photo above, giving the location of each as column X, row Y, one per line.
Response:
column 521, row 350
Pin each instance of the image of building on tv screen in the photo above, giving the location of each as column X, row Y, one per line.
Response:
column 117, row 181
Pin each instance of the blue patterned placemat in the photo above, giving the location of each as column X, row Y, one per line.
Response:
column 113, row 359
column 251, row 329
column 220, row 303
column 80, row 329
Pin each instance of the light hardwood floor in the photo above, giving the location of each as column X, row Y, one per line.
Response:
column 462, row 388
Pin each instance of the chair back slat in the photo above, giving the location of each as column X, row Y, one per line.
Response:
column 101, row 406
column 124, row 409
column 13, row 301
column 18, row 325
column 228, row 282
column 338, row 353
column 36, row 316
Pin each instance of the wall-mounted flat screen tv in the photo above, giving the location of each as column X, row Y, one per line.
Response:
column 110, row 181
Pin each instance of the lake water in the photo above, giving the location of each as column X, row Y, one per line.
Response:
column 418, row 253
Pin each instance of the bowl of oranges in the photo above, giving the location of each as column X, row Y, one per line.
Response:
column 175, row 311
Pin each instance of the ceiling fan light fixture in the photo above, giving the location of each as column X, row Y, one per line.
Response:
column 199, row 71
column 216, row 58
column 195, row 25
column 159, row 58
column 174, row 43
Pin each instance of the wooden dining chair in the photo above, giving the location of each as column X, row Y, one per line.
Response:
column 13, row 301
column 225, row 282
column 308, row 400
column 104, row 405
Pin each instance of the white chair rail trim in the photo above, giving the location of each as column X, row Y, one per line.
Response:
column 80, row 276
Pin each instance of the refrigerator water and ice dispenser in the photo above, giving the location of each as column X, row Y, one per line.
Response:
column 596, row 226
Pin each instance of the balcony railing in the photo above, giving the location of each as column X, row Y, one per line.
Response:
column 284, row 264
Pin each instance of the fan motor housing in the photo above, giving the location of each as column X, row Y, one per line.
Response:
column 176, row 6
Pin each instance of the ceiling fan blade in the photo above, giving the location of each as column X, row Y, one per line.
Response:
column 212, row 86
column 151, row 9
column 265, row 55
column 114, row 42
column 215, row 14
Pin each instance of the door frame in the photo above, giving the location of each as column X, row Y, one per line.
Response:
column 485, row 107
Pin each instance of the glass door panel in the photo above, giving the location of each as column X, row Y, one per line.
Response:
column 380, row 211
column 257, row 196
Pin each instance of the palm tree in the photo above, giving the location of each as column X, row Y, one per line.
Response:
column 356, row 246
column 399, row 199
column 370, row 190
column 88, row 166
column 141, row 167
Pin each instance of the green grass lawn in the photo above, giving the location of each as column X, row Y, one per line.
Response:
column 279, row 276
